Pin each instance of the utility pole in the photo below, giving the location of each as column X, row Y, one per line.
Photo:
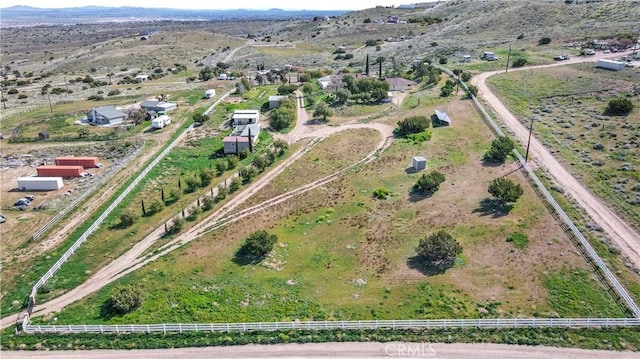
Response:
column 50, row 106
column 66, row 84
column 4, row 101
column 508, row 58
column 526, row 156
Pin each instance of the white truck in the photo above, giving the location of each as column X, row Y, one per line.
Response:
column 210, row 93
column 160, row 121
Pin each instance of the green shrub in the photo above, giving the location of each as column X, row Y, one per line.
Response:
column 619, row 106
column 519, row 240
column 505, row 190
column 439, row 250
column 500, row 149
column 381, row 193
column 428, row 183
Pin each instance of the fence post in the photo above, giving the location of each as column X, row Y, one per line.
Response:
column 227, row 327
column 148, row 330
column 244, row 327
column 101, row 329
column 164, row 328
column 180, row 327
column 117, row 330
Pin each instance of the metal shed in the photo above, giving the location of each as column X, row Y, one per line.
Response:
column 419, row 163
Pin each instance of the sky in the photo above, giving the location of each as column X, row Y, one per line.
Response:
column 213, row 4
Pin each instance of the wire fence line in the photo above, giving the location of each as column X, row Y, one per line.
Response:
column 411, row 324
column 590, row 252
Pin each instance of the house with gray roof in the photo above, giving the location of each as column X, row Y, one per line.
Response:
column 106, row 115
column 440, row 119
column 160, row 107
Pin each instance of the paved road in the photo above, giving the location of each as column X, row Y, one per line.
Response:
column 615, row 227
column 339, row 350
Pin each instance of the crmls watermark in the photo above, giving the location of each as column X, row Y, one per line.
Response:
column 422, row 350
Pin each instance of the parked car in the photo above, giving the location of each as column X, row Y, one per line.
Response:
column 22, row 202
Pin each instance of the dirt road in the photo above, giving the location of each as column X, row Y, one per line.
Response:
column 338, row 350
column 615, row 227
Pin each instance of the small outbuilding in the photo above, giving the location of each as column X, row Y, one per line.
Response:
column 400, row 84
column 610, row 65
column 419, row 163
column 466, row 58
column 440, row 119
column 142, row 78
column 245, row 117
column 44, row 135
column 40, row 183
column 160, row 107
column 274, row 101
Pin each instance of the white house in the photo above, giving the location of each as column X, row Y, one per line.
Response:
column 222, row 77
column 245, row 117
column 325, row 82
column 142, row 78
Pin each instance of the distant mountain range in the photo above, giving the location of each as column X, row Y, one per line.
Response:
column 27, row 15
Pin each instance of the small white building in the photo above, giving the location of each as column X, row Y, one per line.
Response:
column 245, row 117
column 610, row 65
column 466, row 58
column 211, row 93
column 40, row 183
column 160, row 107
column 222, row 77
column 419, row 163
column 142, row 78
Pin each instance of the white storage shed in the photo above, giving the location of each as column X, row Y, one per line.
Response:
column 419, row 163
column 40, row 183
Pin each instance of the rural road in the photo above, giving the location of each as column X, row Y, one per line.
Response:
column 337, row 350
column 615, row 227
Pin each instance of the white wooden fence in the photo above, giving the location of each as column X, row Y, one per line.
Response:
column 339, row 325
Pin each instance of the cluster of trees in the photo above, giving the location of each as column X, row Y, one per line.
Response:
column 426, row 20
column 287, row 89
column 410, row 125
column 366, row 90
column 262, row 161
column 425, row 71
column 285, row 115
column 519, row 62
column 448, row 87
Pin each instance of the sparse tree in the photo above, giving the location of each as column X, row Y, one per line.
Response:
column 200, row 118
column 125, row 299
column 619, row 106
column 206, row 176
column 429, row 183
column 259, row 244
column 505, row 190
column 500, row 149
column 322, row 111
column 544, row 41
column 127, row 219
column 439, row 250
